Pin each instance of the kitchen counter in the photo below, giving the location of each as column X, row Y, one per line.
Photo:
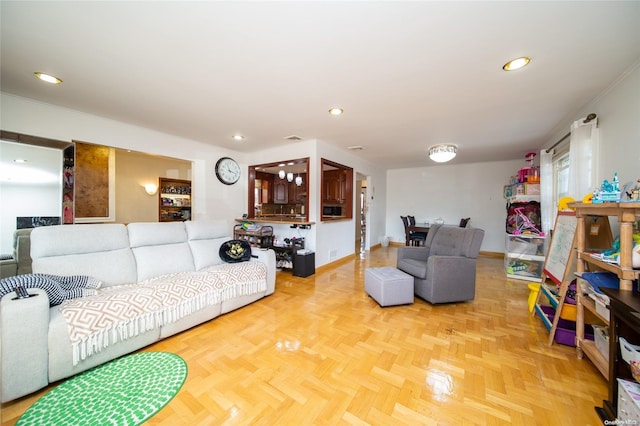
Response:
column 279, row 218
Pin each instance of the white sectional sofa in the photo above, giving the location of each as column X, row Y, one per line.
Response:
column 36, row 346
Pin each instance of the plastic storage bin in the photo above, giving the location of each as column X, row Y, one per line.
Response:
column 566, row 330
column 601, row 339
column 628, row 351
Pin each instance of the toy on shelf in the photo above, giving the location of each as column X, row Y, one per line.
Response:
column 631, row 192
column 563, row 204
column 524, row 224
column 609, row 192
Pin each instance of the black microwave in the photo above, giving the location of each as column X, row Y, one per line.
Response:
column 332, row 211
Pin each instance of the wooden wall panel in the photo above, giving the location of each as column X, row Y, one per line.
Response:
column 91, row 180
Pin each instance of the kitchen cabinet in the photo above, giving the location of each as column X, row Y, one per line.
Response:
column 174, row 198
column 335, row 186
column 265, row 195
column 280, row 191
column 298, row 194
column 336, row 190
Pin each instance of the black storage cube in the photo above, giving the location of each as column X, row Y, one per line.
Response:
column 304, row 264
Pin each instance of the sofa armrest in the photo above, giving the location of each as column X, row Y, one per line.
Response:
column 23, row 344
column 8, row 268
column 450, row 278
column 23, row 254
column 268, row 257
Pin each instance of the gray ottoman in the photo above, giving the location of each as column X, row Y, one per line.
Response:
column 388, row 286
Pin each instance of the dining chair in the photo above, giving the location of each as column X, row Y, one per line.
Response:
column 412, row 238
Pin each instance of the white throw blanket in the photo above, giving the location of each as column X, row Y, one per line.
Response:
column 119, row 312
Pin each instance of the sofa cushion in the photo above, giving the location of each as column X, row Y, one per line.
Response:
column 91, row 249
column 417, row 268
column 205, row 238
column 160, row 248
column 455, row 241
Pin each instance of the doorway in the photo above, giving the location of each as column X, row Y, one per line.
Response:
column 361, row 215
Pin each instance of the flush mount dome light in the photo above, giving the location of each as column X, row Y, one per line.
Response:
column 516, row 64
column 336, row 111
column 48, row 78
column 442, row 153
column 238, row 137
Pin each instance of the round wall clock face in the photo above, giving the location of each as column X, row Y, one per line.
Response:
column 227, row 171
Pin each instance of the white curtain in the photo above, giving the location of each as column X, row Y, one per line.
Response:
column 583, row 147
column 547, row 206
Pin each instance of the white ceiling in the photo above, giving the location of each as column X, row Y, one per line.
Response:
column 408, row 74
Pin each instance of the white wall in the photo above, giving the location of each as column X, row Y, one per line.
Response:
column 452, row 192
column 212, row 199
column 39, row 193
column 619, row 122
column 338, row 237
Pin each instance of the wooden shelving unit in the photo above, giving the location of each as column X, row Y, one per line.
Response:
column 588, row 216
column 174, row 200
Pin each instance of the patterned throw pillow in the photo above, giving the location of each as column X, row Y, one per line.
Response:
column 233, row 251
column 58, row 288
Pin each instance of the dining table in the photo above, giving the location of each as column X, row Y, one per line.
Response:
column 418, row 227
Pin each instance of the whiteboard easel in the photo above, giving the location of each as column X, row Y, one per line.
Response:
column 559, row 265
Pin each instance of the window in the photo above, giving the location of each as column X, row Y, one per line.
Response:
column 561, row 177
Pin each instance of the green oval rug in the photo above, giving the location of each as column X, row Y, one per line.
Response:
column 126, row 391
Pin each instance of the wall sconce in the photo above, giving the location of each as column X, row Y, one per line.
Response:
column 151, row 189
column 290, row 177
column 442, row 153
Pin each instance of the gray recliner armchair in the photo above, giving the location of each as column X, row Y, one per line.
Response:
column 444, row 270
column 20, row 261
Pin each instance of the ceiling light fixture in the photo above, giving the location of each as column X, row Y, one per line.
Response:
column 238, row 137
column 48, row 78
column 298, row 180
column 443, row 152
column 336, row 111
column 290, row 177
column 281, row 174
column 516, row 64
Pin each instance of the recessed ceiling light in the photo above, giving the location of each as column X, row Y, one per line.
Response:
column 238, row 137
column 48, row 78
column 336, row 111
column 19, row 160
column 516, row 64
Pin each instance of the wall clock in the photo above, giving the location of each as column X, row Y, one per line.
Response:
column 227, row 171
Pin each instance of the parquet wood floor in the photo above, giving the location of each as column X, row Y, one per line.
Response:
column 321, row 352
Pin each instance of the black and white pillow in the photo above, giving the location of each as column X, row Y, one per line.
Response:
column 233, row 251
column 58, row 288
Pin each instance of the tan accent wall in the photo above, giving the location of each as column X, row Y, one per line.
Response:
column 133, row 171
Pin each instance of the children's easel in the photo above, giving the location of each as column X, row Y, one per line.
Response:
column 559, row 266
